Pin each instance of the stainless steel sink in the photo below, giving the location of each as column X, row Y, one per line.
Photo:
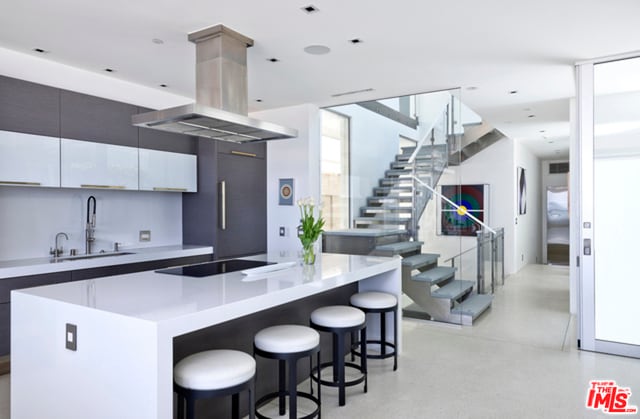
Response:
column 91, row 256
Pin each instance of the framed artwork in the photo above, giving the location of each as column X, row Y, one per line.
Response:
column 522, row 191
column 473, row 198
column 285, row 191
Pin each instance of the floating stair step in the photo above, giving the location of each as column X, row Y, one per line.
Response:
column 373, row 201
column 405, row 165
column 389, row 209
column 473, row 306
column 398, row 172
column 382, row 220
column 398, row 248
column 435, row 275
column 390, row 181
column 419, row 261
column 387, row 190
column 453, row 290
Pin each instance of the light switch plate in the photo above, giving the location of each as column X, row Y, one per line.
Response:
column 145, row 235
column 71, row 337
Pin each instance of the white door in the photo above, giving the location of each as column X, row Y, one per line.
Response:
column 609, row 118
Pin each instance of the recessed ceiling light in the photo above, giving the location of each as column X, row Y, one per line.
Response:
column 258, row 100
column 542, row 131
column 513, row 92
column 531, row 116
column 157, row 41
column 273, row 60
column 352, row 92
column 317, row 50
column 310, row 9
column 356, row 41
column 109, row 70
column 41, row 51
column 163, row 85
column 472, row 88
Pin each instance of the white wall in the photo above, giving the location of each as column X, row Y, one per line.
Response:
column 495, row 166
column 30, row 218
column 528, row 244
column 297, row 158
column 374, row 142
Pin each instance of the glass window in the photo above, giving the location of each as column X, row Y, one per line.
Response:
column 334, row 169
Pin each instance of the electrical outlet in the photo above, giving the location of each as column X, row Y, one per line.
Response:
column 71, row 337
column 145, row 235
column 283, row 231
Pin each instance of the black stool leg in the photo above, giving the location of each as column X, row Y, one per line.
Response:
column 252, row 400
column 293, row 392
column 383, row 333
column 235, row 406
column 191, row 407
column 180, row 406
column 319, row 386
column 338, row 363
column 282, row 379
column 363, row 358
column 395, row 338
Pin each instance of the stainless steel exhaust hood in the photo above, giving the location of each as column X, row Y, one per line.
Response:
column 220, row 111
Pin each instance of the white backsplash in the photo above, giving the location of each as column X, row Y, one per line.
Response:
column 30, row 218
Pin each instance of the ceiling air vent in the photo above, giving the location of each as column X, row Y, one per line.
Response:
column 555, row 168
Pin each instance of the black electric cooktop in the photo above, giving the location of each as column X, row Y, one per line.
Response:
column 214, row 268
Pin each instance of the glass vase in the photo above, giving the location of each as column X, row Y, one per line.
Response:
column 309, row 254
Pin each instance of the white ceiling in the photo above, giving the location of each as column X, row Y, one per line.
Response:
column 409, row 46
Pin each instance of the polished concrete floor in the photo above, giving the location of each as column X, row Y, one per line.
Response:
column 519, row 360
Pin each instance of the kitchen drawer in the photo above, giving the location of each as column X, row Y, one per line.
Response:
column 6, row 285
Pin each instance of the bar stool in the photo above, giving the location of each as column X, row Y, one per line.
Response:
column 214, row 373
column 288, row 344
column 381, row 303
column 341, row 321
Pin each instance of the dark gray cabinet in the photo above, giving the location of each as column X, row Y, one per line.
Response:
column 5, row 328
column 243, row 170
column 243, row 230
column 29, row 107
column 90, row 118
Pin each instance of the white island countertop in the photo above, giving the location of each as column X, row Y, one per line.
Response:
column 126, row 325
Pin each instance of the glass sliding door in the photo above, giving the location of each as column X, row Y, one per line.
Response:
column 610, row 171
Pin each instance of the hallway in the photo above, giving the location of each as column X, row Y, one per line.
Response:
column 519, row 360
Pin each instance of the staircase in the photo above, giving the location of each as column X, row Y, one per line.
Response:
column 387, row 226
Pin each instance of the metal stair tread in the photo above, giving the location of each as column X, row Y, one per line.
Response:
column 435, row 275
column 370, row 220
column 383, row 208
column 473, row 306
column 418, row 261
column 399, row 247
column 453, row 289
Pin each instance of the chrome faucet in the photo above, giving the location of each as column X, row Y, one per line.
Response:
column 91, row 225
column 58, row 250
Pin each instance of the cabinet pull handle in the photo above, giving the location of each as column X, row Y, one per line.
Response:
column 166, row 189
column 242, row 153
column 11, row 182
column 223, row 205
column 85, row 185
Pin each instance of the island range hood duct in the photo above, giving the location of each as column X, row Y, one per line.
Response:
column 220, row 111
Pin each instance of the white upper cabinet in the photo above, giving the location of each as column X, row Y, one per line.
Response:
column 96, row 165
column 29, row 160
column 168, row 171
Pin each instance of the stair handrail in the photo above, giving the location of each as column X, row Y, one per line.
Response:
column 461, row 209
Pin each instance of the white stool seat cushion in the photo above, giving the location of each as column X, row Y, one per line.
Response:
column 338, row 316
column 214, row 370
column 374, row 300
column 285, row 339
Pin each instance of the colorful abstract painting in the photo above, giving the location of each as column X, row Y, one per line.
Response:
column 456, row 223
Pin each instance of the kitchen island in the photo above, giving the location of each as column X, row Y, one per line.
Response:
column 125, row 328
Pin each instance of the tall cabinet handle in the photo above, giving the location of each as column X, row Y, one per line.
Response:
column 223, row 205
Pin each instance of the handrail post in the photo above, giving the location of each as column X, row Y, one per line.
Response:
column 480, row 263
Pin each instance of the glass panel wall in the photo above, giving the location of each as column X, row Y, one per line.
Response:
column 334, row 169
